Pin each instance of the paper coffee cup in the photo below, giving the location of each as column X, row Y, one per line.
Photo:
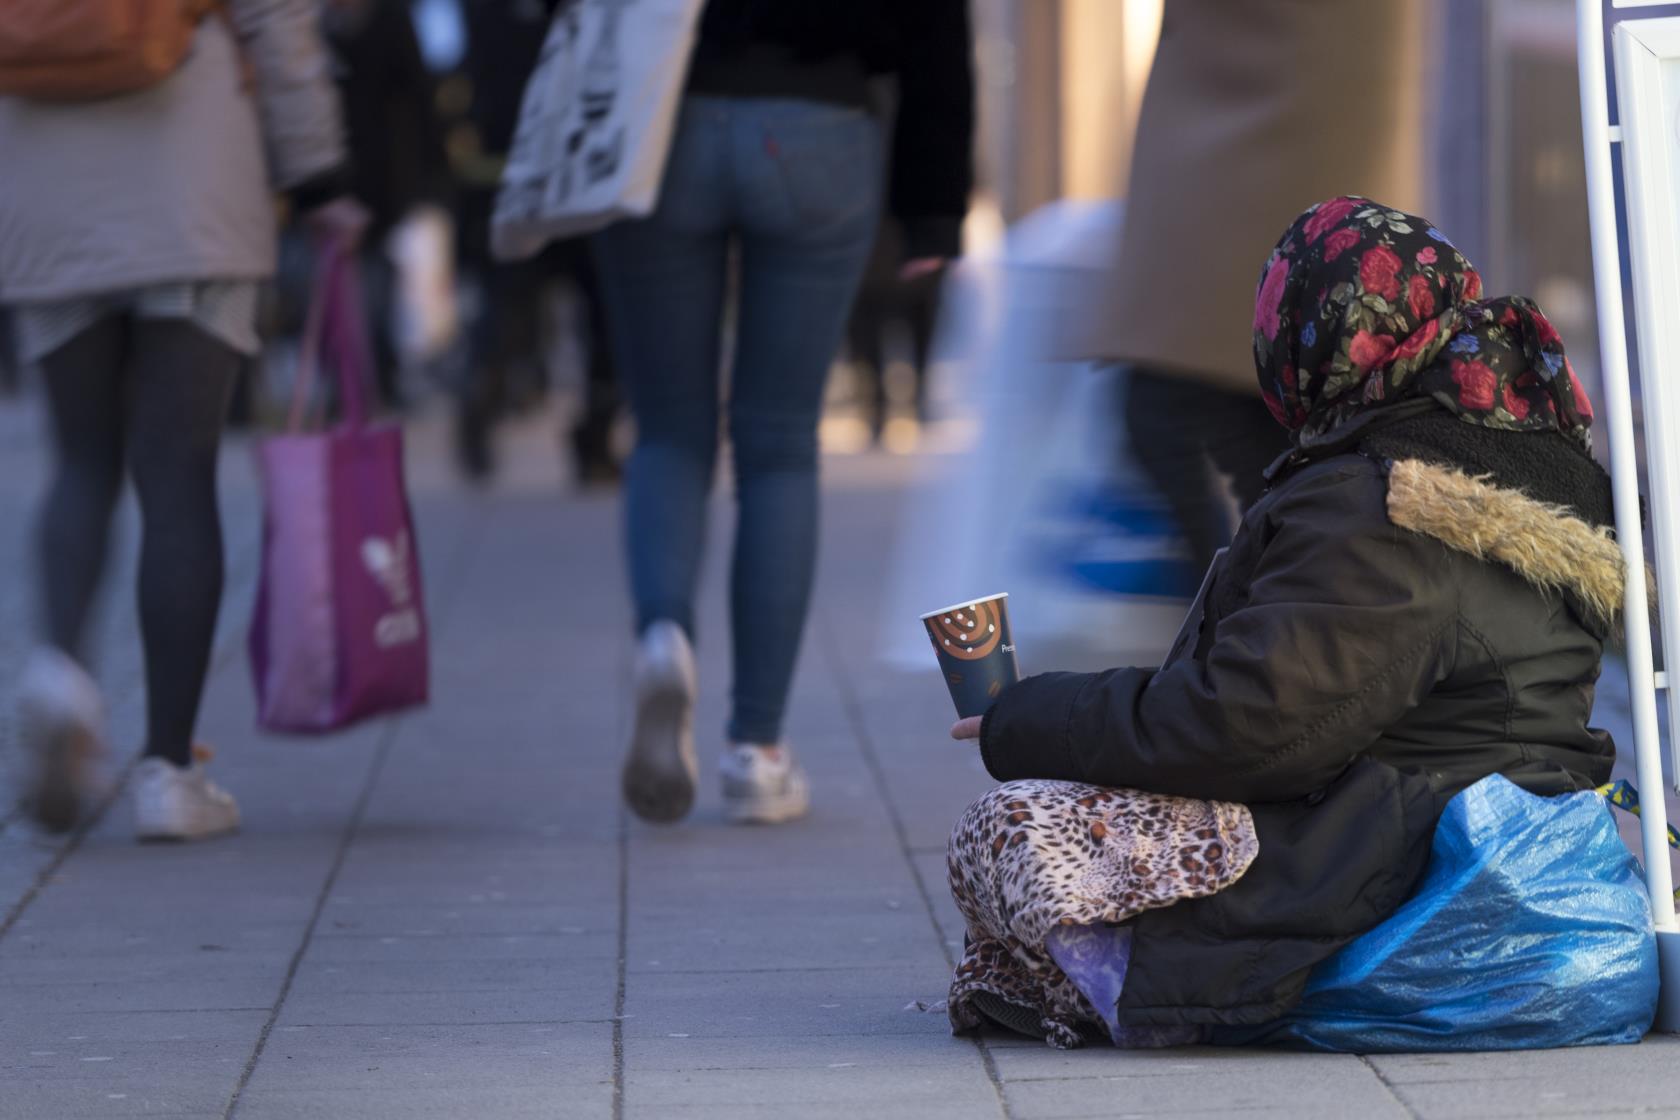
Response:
column 976, row 651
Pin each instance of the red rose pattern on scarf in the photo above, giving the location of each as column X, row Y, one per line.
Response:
column 1361, row 305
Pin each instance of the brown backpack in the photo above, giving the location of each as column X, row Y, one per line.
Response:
column 76, row 50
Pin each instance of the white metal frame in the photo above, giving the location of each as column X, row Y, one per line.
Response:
column 1651, row 166
column 1647, row 79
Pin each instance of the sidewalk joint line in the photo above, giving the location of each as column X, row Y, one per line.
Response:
column 622, row 982
column 872, row 760
column 623, row 959
column 1393, row 1090
column 346, row 838
column 443, row 1023
column 68, row 849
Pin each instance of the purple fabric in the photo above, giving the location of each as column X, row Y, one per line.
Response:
column 339, row 629
column 1095, row 958
column 293, row 640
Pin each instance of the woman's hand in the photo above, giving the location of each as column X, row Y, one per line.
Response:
column 967, row 728
column 918, row 267
column 339, row 223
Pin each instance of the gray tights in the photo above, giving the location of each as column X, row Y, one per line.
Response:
column 149, row 395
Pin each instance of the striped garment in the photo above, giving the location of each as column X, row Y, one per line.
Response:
column 224, row 309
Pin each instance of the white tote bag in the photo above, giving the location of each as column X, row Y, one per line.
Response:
column 595, row 123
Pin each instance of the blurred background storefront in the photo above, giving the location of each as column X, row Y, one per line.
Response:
column 1061, row 82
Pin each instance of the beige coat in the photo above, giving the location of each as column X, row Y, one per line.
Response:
column 1255, row 110
column 174, row 182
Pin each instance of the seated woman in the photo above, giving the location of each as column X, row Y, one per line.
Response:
column 1420, row 600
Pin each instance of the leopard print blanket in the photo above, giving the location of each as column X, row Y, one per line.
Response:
column 1032, row 856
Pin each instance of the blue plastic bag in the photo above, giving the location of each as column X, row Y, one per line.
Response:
column 1532, row 929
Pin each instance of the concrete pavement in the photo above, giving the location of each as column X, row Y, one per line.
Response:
column 447, row 914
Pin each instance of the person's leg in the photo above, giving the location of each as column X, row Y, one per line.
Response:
column 379, row 294
column 178, row 384
column 83, row 381
column 592, row 436
column 808, row 205
column 662, row 282
column 60, row 712
column 10, row 381
column 1244, row 439
column 865, row 346
column 504, row 334
column 923, row 316
column 1166, row 420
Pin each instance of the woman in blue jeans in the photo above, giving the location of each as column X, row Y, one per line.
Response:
column 775, row 177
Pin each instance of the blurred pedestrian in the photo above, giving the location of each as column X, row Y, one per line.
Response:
column 396, row 142
column 595, row 460
column 776, row 166
column 507, row 343
column 134, row 230
column 1294, row 102
column 887, row 299
column 10, row 376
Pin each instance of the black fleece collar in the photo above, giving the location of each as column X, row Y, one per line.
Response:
column 1546, row 466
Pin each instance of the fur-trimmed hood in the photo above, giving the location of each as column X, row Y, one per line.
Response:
column 1545, row 544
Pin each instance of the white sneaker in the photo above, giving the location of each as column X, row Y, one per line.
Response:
column 661, row 770
column 763, row 784
column 181, row 803
column 61, row 726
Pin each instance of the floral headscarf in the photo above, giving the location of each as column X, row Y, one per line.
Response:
column 1360, row 306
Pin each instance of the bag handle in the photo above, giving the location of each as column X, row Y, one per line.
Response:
column 333, row 329
column 1622, row 794
column 347, row 335
column 309, row 346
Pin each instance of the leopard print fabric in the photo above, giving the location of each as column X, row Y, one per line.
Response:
column 1031, row 855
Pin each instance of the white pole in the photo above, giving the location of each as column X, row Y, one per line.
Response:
column 1624, row 462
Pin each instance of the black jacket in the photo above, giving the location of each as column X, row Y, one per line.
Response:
column 1378, row 637
column 827, row 50
column 389, row 115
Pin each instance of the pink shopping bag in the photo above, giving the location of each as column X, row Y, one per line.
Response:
column 339, row 630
